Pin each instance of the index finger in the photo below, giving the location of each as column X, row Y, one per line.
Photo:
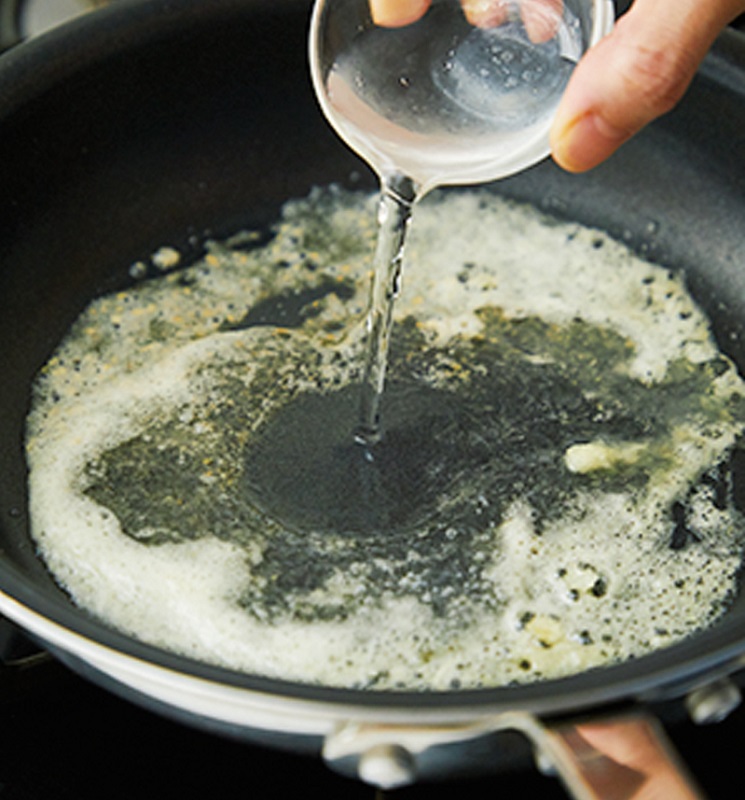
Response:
column 397, row 13
column 540, row 17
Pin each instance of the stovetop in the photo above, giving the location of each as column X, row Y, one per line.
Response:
column 66, row 739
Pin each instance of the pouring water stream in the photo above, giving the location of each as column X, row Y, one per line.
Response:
column 439, row 102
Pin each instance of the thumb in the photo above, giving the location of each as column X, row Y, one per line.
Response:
column 637, row 73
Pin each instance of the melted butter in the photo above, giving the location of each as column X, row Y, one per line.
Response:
column 551, row 492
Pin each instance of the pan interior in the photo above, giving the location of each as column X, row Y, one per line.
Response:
column 556, row 452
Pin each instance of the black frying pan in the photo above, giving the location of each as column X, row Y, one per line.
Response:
column 161, row 120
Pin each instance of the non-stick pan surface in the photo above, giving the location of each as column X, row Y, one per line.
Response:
column 159, row 121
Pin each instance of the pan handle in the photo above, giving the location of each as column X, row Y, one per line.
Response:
column 619, row 758
column 626, row 757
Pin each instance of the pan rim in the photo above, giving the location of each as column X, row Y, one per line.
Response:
column 665, row 674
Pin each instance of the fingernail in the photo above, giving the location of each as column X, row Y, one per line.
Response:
column 584, row 142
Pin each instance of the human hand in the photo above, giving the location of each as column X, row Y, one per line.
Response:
column 540, row 17
column 632, row 759
column 634, row 75
column 637, row 73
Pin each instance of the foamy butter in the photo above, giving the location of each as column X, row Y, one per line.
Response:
column 595, row 526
